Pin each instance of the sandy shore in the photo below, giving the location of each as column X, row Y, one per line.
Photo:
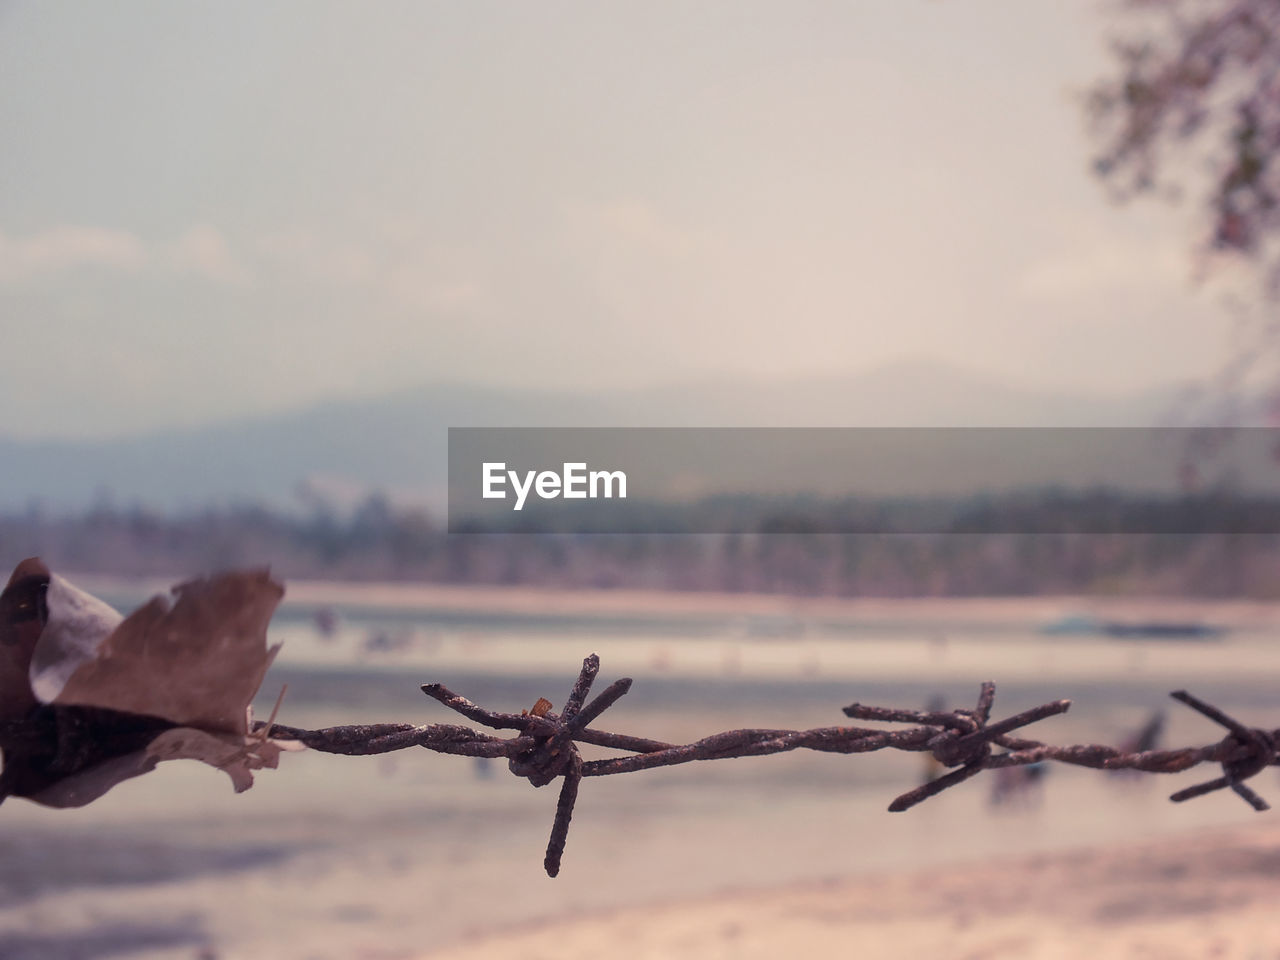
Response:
column 1211, row 894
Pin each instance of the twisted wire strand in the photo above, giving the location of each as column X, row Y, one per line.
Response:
column 545, row 747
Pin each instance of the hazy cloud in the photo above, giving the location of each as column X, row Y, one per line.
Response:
column 62, row 248
column 397, row 266
column 203, row 250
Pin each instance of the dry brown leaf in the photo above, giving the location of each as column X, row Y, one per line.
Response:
column 93, row 699
column 85, row 786
column 196, row 662
column 236, row 756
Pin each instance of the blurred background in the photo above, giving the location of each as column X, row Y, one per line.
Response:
column 256, row 259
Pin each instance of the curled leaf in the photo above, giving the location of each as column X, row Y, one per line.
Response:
column 237, row 756
column 76, row 624
column 197, row 661
column 89, row 699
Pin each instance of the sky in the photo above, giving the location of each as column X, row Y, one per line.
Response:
column 218, row 210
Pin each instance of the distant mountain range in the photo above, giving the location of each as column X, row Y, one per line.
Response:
column 342, row 451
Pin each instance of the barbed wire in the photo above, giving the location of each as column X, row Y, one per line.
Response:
column 546, row 745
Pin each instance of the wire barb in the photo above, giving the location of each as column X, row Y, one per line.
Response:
column 1247, row 751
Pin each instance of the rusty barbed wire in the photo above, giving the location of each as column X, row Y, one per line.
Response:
column 546, row 745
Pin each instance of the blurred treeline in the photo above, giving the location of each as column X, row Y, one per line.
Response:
column 378, row 542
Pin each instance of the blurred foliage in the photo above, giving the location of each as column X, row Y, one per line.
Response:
column 380, row 543
column 1194, row 107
